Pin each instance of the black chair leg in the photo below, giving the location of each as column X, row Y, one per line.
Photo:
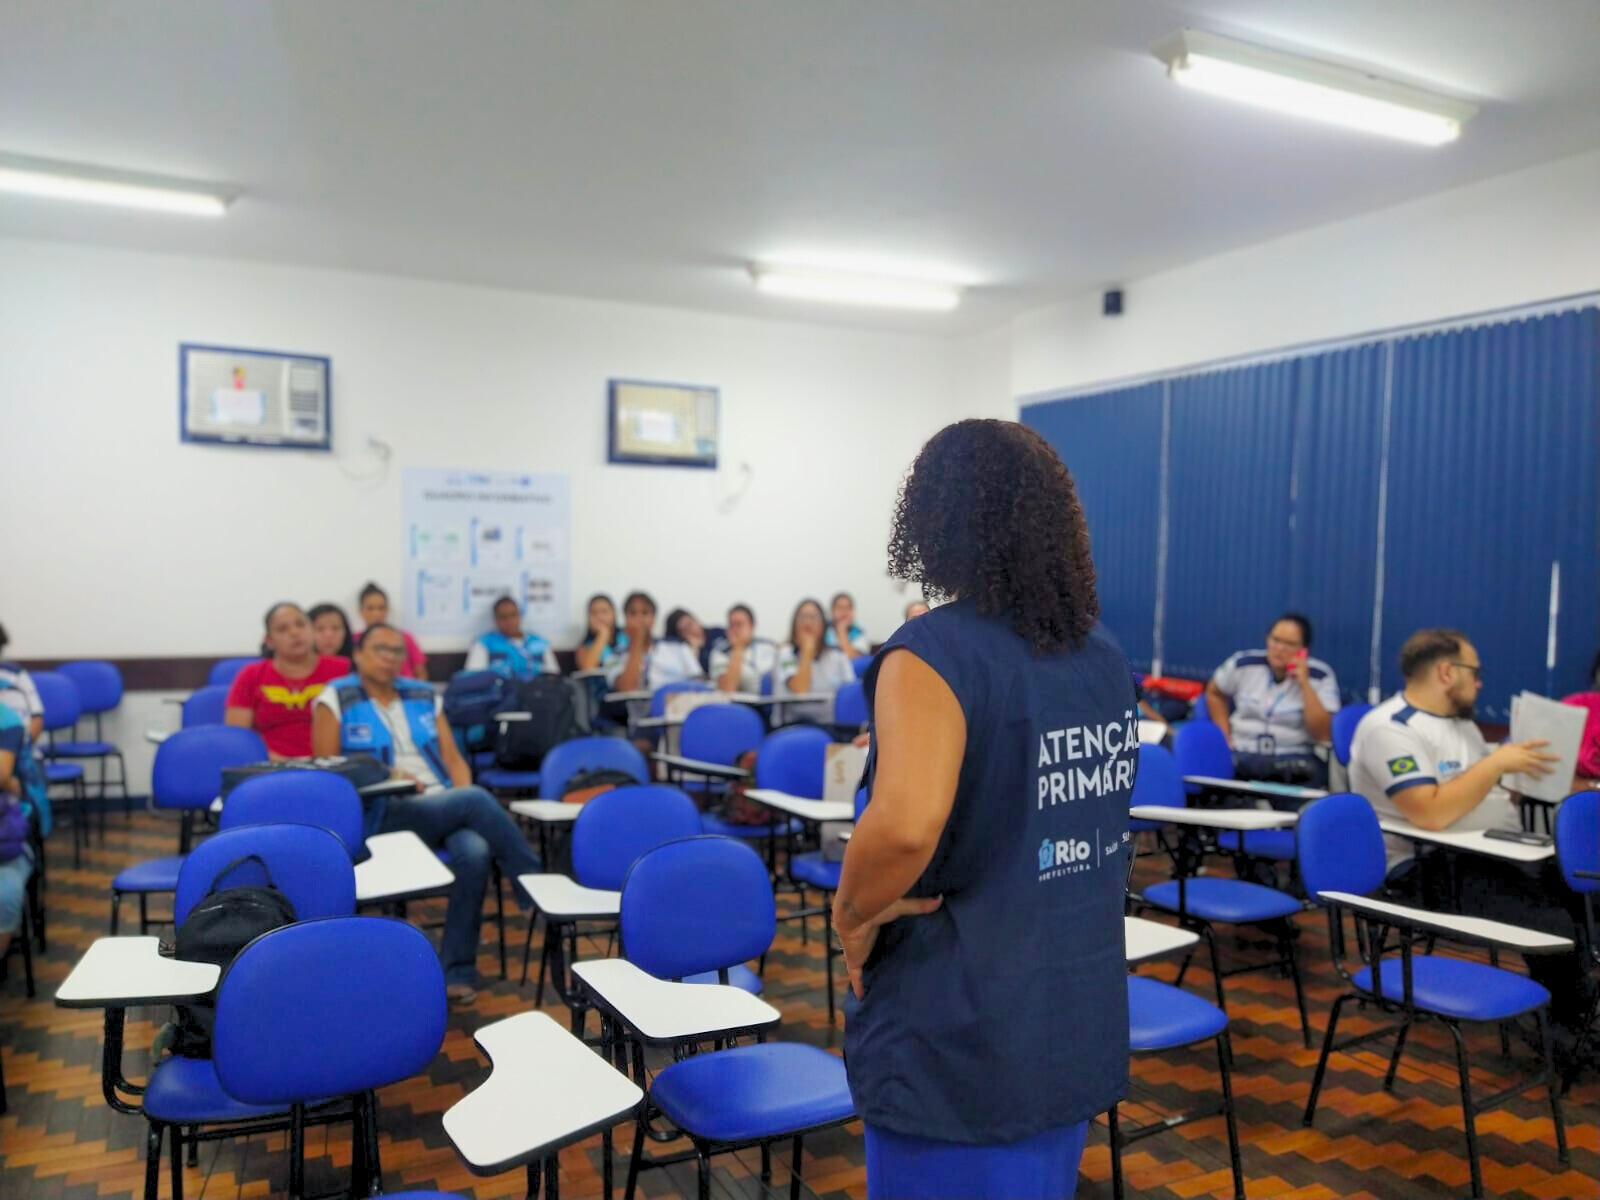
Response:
column 177, row 1161
column 702, row 1163
column 1292, row 953
column 1115, row 1137
column 1394, row 1059
column 1225, row 1063
column 1469, row 1119
column 766, row 1162
column 1322, row 1060
column 116, row 904
column 1553, row 1084
column 827, row 954
column 152, row 1162
column 194, row 1146
column 144, row 913
column 500, row 918
column 794, row 1172
column 527, row 948
column 635, row 1158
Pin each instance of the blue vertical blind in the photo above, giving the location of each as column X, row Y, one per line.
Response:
column 1111, row 444
column 1381, row 488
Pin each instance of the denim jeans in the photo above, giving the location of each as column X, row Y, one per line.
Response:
column 470, row 824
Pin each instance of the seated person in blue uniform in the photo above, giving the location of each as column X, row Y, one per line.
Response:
column 843, row 632
column 22, row 785
column 508, row 651
column 1283, row 702
column 401, row 723
column 602, row 641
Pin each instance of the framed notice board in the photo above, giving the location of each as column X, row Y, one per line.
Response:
column 254, row 397
column 662, row 424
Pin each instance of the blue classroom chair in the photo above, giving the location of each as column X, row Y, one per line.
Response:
column 99, row 692
column 62, row 709
column 702, row 904
column 1344, row 730
column 850, row 707
column 223, row 671
column 1577, row 833
column 205, row 706
column 1341, row 850
column 589, row 754
column 318, row 798
column 721, row 734
column 812, row 870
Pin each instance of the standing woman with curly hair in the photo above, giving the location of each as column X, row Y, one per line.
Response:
column 980, row 905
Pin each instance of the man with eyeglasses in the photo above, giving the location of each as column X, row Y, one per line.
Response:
column 1420, row 757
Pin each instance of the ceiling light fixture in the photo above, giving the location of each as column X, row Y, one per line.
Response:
column 868, row 290
column 67, row 181
column 1305, row 87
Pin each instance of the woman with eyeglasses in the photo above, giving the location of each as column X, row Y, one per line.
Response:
column 1275, row 704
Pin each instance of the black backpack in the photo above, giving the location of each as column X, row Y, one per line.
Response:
column 586, row 785
column 473, row 697
column 218, row 927
column 557, row 712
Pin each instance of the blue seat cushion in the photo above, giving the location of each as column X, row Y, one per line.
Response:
column 55, row 772
column 1454, row 987
column 1138, row 826
column 754, row 1092
column 79, row 750
column 152, row 875
column 502, row 780
column 1262, row 843
column 1161, row 1016
column 1231, row 901
column 186, row 1089
column 717, row 827
column 815, row 870
column 740, row 976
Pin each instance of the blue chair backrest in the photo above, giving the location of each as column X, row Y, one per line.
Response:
column 310, row 866
column 861, row 665
column 318, row 798
column 188, row 767
column 1159, row 781
column 589, row 754
column 721, row 733
column 99, row 684
column 850, row 704
column 1339, row 846
column 60, row 698
column 795, row 760
column 658, row 701
column 861, row 802
column 1578, row 839
column 1344, row 729
column 328, row 1008
column 222, row 673
column 205, row 706
column 702, row 904
column 617, row 827
column 1201, row 749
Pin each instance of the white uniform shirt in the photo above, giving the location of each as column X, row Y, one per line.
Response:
column 830, row 671
column 18, row 693
column 1269, row 717
column 760, row 656
column 670, row 661
column 407, row 759
column 1398, row 746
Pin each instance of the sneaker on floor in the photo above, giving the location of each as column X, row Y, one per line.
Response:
column 461, row 995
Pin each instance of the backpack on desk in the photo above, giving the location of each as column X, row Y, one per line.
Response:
column 557, row 713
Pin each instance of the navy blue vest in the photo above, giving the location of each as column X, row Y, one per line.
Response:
column 1005, row 1012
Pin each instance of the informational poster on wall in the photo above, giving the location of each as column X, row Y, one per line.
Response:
column 470, row 537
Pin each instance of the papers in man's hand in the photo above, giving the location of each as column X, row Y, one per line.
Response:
column 1534, row 716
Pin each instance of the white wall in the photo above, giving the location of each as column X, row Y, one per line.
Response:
column 1516, row 239
column 123, row 542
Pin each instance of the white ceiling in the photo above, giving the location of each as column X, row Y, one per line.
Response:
column 646, row 150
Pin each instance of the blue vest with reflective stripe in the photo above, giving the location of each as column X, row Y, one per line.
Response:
column 515, row 660
column 362, row 729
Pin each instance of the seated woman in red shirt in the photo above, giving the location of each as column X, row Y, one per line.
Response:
column 274, row 696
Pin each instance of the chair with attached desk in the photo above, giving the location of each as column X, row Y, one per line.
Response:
column 1201, row 749
column 1342, row 864
column 1158, row 782
column 318, row 798
column 705, row 904
column 99, row 692
column 312, row 869
column 1344, row 730
column 205, row 706
column 354, row 1004
column 223, row 670
column 717, row 734
column 812, row 869
column 62, row 710
column 1577, row 835
column 187, row 777
column 793, row 760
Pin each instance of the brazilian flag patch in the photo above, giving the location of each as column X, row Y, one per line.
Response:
column 1402, row 766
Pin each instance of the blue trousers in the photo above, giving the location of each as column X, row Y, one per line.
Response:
column 470, row 824
column 1042, row 1167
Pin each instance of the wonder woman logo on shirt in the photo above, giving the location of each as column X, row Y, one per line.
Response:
column 278, row 694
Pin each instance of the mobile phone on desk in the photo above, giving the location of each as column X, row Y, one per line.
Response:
column 1520, row 836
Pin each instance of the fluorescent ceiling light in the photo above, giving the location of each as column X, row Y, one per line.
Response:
column 869, row 290
column 1318, row 91
column 66, row 181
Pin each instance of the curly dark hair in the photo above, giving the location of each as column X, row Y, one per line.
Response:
column 989, row 512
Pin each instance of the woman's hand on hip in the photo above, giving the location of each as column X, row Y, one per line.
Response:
column 858, row 937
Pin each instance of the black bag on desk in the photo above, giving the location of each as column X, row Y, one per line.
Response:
column 216, row 929
column 557, row 712
column 471, row 698
column 359, row 769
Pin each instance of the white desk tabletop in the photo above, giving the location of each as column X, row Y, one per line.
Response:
column 401, row 866
column 1250, row 787
column 551, row 812
column 546, row 1090
column 662, row 1011
column 807, row 810
column 116, row 972
column 1152, row 733
column 1151, row 939
column 1471, row 841
column 636, row 694
column 784, row 698
column 591, row 673
column 1514, row 936
column 696, row 766
column 1215, row 818
column 156, row 736
column 658, row 722
column 562, row 898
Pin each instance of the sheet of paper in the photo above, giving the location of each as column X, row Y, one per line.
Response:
column 238, row 406
column 1561, row 725
column 658, row 427
column 844, row 766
